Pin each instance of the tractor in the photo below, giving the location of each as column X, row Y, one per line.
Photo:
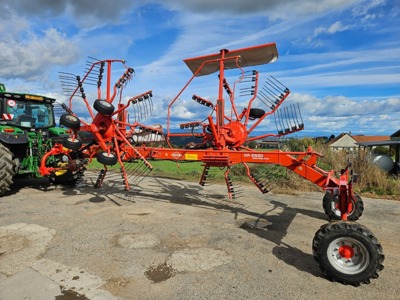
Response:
column 27, row 131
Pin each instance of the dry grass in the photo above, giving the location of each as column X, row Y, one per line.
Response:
column 372, row 180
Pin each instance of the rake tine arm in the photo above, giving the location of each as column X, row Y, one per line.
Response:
column 265, row 96
column 281, row 122
column 302, row 123
column 282, row 88
column 286, row 89
column 285, row 111
column 289, row 117
column 280, row 131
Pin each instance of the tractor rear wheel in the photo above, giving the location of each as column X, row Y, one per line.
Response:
column 103, row 107
column 330, row 204
column 347, row 252
column 108, row 159
column 7, row 169
column 70, row 121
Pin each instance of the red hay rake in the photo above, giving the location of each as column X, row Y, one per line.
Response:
column 345, row 251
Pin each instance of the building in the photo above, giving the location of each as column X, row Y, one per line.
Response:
column 346, row 141
column 393, row 142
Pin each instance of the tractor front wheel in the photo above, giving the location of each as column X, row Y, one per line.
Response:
column 103, row 107
column 347, row 252
column 7, row 169
column 330, row 204
column 108, row 159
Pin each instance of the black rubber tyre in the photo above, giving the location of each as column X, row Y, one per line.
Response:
column 107, row 159
column 330, row 204
column 103, row 107
column 7, row 169
column 72, row 143
column 70, row 121
column 256, row 113
column 347, row 252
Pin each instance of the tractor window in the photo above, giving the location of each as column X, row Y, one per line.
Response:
column 29, row 114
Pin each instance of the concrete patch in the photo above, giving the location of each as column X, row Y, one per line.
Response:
column 73, row 279
column 29, row 284
column 137, row 241
column 196, row 260
column 20, row 245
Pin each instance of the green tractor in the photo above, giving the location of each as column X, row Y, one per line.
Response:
column 27, row 131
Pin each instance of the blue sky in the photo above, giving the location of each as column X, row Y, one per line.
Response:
column 340, row 58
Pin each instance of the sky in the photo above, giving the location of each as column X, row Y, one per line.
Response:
column 339, row 58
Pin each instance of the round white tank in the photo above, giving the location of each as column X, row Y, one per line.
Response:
column 383, row 161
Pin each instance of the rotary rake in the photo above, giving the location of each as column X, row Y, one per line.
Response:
column 112, row 134
column 345, row 251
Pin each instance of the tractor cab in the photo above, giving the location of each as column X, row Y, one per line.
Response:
column 26, row 111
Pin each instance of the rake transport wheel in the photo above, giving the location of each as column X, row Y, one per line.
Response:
column 256, row 113
column 108, row 159
column 347, row 252
column 70, row 121
column 330, row 206
column 7, row 169
column 72, row 143
column 103, row 107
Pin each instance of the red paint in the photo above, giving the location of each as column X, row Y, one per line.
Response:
column 346, row 251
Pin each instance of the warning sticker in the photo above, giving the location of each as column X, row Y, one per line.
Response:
column 191, row 156
column 11, row 103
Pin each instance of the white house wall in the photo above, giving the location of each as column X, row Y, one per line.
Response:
column 345, row 142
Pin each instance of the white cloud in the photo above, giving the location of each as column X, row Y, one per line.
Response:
column 85, row 13
column 31, row 57
column 366, row 8
column 27, row 54
column 334, row 28
column 275, row 9
column 340, row 106
column 341, row 114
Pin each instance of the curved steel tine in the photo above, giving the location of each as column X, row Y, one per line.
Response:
column 136, row 113
column 281, row 120
column 302, row 122
column 287, row 112
column 294, row 128
column 151, row 104
column 140, row 110
column 144, row 109
column 296, row 112
column 287, row 119
column 277, row 97
column 276, row 125
column 285, row 87
column 274, row 86
column 144, row 102
column 282, row 87
column 258, row 96
column 264, row 99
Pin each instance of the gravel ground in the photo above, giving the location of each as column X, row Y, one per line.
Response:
column 169, row 239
